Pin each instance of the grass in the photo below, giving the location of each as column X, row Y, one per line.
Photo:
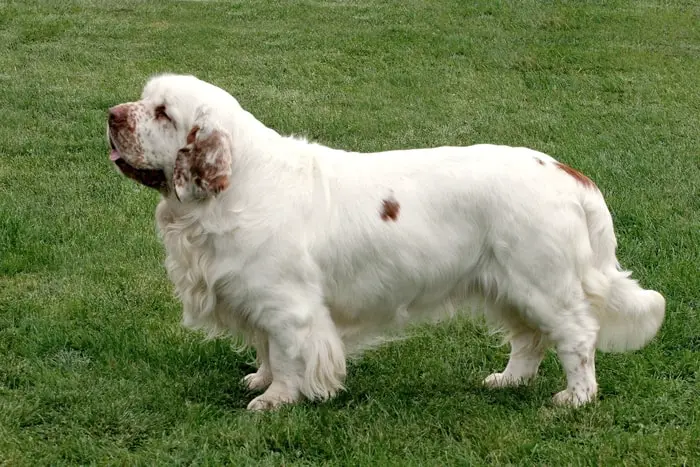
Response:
column 94, row 366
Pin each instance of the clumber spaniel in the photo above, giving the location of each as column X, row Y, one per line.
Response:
column 310, row 252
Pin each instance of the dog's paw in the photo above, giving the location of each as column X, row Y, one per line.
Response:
column 275, row 396
column 262, row 403
column 257, row 381
column 265, row 402
column 502, row 380
column 571, row 398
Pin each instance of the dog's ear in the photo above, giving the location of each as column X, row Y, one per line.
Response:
column 203, row 165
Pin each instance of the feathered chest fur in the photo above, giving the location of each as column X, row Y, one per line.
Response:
column 190, row 256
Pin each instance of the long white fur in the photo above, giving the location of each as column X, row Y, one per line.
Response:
column 296, row 256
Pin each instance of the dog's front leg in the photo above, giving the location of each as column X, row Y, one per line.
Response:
column 306, row 356
column 262, row 378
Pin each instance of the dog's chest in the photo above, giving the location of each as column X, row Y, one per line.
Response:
column 199, row 260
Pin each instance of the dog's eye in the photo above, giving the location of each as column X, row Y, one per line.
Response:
column 161, row 114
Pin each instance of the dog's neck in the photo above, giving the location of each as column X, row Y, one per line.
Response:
column 263, row 161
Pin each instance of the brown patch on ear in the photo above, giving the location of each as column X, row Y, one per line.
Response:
column 192, row 135
column 582, row 179
column 219, row 184
column 204, row 162
column 390, row 209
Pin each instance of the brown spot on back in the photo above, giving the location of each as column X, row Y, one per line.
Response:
column 582, row 179
column 390, row 209
column 539, row 161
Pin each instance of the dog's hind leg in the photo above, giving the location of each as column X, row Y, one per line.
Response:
column 575, row 339
column 564, row 317
column 527, row 348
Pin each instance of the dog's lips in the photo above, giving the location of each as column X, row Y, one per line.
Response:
column 114, row 153
column 152, row 178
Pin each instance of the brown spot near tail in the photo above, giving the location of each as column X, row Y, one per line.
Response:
column 582, row 179
column 390, row 209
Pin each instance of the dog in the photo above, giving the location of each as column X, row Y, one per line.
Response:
column 309, row 253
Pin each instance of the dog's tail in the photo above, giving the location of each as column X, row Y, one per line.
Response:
column 629, row 316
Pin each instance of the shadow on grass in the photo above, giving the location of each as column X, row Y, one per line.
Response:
column 211, row 373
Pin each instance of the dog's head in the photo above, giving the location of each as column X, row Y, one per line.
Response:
column 174, row 138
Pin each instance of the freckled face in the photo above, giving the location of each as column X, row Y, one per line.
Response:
column 145, row 134
column 144, row 139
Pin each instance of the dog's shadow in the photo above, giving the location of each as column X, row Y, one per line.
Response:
column 395, row 390
column 211, row 373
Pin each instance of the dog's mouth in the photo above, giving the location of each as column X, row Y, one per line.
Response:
column 152, row 178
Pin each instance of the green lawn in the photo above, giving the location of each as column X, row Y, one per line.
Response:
column 94, row 366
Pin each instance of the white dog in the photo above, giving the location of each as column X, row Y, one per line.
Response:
column 310, row 252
